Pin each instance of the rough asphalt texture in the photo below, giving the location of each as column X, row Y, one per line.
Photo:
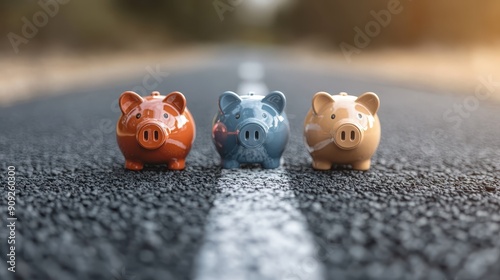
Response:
column 428, row 209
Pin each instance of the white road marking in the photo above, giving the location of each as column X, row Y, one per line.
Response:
column 251, row 71
column 254, row 230
column 251, row 74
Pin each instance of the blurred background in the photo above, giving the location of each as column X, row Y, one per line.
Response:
column 94, row 24
column 50, row 43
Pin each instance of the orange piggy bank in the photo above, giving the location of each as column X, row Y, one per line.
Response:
column 154, row 130
column 342, row 129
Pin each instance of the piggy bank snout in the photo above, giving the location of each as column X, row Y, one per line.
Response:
column 348, row 136
column 252, row 135
column 151, row 135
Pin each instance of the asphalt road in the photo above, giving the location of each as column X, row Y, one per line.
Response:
column 428, row 209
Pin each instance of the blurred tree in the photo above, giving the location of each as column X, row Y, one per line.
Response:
column 126, row 23
column 185, row 19
column 446, row 21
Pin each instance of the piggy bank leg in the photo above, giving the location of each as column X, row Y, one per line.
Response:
column 230, row 164
column 177, row 164
column 361, row 165
column 133, row 165
column 321, row 164
column 271, row 163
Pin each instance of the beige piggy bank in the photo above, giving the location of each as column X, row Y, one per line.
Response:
column 342, row 129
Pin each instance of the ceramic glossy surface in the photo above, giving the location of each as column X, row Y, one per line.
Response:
column 154, row 130
column 251, row 129
column 342, row 129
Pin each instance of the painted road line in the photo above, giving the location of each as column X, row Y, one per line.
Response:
column 251, row 71
column 251, row 75
column 255, row 231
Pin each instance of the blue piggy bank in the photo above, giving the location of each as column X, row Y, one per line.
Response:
column 251, row 129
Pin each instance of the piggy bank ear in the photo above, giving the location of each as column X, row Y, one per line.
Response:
column 228, row 98
column 177, row 100
column 370, row 101
column 128, row 101
column 277, row 100
column 320, row 100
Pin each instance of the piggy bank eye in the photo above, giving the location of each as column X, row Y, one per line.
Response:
column 360, row 116
column 165, row 115
column 264, row 115
column 332, row 116
column 138, row 116
column 237, row 116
